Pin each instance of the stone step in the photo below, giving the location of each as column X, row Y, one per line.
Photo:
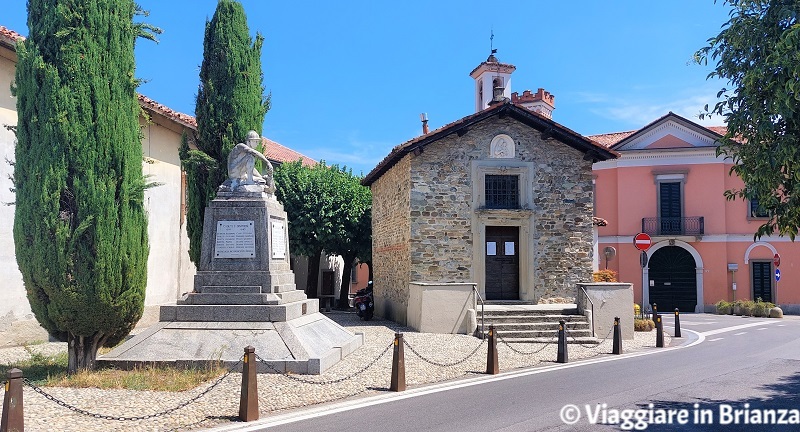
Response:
column 292, row 296
column 544, row 334
column 242, row 313
column 230, row 289
column 569, row 310
column 230, row 299
column 500, row 327
column 244, row 278
column 532, row 318
column 577, row 340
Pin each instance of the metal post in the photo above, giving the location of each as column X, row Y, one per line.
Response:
column 398, row 383
column 562, row 343
column 617, row 337
column 659, row 332
column 13, row 418
column 655, row 312
column 677, row 323
column 492, row 365
column 248, row 402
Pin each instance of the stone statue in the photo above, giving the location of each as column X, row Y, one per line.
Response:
column 241, row 168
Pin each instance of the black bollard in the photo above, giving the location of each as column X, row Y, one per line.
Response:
column 655, row 312
column 562, row 343
column 13, row 419
column 617, row 337
column 492, row 366
column 659, row 332
column 398, row 383
column 677, row 323
column 248, row 401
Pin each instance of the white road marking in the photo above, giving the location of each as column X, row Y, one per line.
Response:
column 762, row 328
column 739, row 334
column 435, row 388
column 781, row 325
column 739, row 327
column 715, row 339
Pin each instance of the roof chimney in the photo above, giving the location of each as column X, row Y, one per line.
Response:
column 542, row 102
column 424, row 118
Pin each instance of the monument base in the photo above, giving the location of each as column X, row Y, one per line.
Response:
column 244, row 294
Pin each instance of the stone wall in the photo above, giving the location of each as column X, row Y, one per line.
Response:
column 560, row 197
column 390, row 241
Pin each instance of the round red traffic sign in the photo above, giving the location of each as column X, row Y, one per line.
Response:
column 776, row 260
column 642, row 241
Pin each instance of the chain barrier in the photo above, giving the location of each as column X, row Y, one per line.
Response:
column 546, row 344
column 436, row 363
column 332, row 381
column 591, row 345
column 135, row 418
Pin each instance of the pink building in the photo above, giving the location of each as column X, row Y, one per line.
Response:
column 669, row 183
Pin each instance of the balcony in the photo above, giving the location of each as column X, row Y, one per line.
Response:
column 674, row 226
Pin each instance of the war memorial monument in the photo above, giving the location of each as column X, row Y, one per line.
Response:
column 244, row 290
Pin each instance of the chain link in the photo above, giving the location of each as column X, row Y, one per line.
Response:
column 592, row 345
column 436, row 363
column 134, row 418
column 333, row 381
column 546, row 344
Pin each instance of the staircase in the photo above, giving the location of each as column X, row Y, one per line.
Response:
column 521, row 323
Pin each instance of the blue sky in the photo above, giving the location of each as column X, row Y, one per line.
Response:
column 349, row 79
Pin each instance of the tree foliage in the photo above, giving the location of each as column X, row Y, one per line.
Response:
column 230, row 102
column 80, row 227
column 758, row 53
column 329, row 211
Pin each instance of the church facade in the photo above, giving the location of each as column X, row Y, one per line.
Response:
column 501, row 198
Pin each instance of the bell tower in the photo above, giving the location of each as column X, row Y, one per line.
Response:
column 492, row 82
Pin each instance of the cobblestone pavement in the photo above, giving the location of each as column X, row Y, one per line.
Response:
column 429, row 358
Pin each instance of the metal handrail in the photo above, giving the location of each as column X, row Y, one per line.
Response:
column 478, row 295
column 591, row 303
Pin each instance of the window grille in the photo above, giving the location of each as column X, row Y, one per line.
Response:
column 502, row 191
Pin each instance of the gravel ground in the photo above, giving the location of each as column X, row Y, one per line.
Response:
column 429, row 358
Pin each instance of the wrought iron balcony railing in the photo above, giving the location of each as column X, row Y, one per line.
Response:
column 674, row 226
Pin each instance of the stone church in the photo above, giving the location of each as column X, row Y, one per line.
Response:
column 501, row 198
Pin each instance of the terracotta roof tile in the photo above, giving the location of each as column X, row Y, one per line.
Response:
column 179, row 117
column 280, row 153
column 10, row 36
column 609, row 139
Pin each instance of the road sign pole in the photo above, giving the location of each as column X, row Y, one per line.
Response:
column 642, row 242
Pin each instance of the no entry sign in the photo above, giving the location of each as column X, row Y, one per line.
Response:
column 776, row 260
column 642, row 241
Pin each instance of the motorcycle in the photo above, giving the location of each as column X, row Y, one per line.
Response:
column 364, row 302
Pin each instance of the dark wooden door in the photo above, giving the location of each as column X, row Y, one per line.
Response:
column 327, row 283
column 502, row 263
column 762, row 280
column 670, row 211
column 673, row 272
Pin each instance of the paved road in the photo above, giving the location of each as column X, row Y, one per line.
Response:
column 731, row 361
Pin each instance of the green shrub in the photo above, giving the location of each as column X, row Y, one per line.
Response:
column 643, row 325
column 744, row 307
column 724, row 307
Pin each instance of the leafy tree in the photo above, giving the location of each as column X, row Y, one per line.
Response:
column 329, row 211
column 758, row 52
column 230, row 102
column 80, row 227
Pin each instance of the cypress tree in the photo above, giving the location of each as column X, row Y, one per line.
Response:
column 80, row 228
column 230, row 102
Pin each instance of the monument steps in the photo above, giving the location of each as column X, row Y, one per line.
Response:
column 241, row 313
column 230, row 299
column 230, row 290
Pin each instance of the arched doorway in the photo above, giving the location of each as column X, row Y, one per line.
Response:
column 672, row 272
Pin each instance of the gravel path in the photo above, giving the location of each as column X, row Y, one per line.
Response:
column 429, row 358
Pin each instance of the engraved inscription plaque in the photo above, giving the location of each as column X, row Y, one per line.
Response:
column 235, row 239
column 278, row 240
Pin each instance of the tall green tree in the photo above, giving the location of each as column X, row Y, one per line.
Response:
column 758, row 53
column 80, row 228
column 328, row 211
column 230, row 102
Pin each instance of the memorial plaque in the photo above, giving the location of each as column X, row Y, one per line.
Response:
column 278, row 240
column 235, row 239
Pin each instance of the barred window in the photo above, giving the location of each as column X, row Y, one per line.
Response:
column 756, row 211
column 502, row 191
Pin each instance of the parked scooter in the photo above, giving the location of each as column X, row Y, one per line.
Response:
column 364, row 302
